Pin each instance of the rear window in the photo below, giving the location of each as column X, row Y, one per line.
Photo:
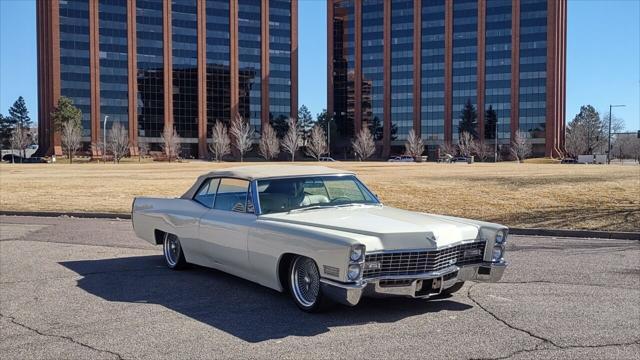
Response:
column 206, row 195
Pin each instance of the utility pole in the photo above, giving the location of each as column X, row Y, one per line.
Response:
column 609, row 134
column 104, row 139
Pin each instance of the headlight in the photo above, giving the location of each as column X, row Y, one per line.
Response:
column 500, row 237
column 354, row 272
column 497, row 253
column 357, row 252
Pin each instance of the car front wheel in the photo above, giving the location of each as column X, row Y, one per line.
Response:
column 304, row 285
column 173, row 255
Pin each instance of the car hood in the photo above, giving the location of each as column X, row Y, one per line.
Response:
column 387, row 228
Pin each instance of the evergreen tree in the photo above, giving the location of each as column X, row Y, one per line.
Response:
column 305, row 121
column 7, row 125
column 468, row 119
column 20, row 114
column 322, row 118
column 66, row 112
column 280, row 125
column 377, row 129
column 490, row 123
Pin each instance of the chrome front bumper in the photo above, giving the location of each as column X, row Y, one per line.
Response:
column 416, row 286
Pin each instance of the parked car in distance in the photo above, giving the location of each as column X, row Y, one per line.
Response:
column 403, row 158
column 459, row 159
column 326, row 158
column 569, row 161
column 20, row 160
column 319, row 234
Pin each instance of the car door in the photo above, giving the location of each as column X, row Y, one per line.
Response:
column 224, row 228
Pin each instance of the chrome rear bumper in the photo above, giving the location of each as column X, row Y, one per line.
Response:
column 416, row 286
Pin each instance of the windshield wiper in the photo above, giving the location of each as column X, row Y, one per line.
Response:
column 314, row 207
column 335, row 206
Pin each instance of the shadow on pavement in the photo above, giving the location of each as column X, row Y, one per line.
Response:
column 239, row 307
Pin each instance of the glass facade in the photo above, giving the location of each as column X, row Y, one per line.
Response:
column 185, row 68
column 279, row 59
column 114, row 66
column 465, row 59
column 249, row 57
column 497, row 85
column 344, row 68
column 74, row 58
column 402, row 67
column 533, row 67
column 373, row 66
column 218, row 71
column 432, row 71
column 150, row 57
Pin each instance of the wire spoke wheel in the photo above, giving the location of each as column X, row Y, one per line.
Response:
column 305, row 281
column 172, row 250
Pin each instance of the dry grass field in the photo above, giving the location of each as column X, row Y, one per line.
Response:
column 519, row 195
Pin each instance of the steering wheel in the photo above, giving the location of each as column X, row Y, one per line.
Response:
column 340, row 198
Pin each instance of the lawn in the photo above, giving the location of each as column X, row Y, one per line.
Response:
column 519, row 195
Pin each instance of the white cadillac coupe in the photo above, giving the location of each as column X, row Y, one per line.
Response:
column 319, row 234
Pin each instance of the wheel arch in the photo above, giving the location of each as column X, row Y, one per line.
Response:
column 283, row 269
column 159, row 236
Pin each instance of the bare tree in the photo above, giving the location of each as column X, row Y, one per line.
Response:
column 118, row 142
column 363, row 145
column 170, row 143
column 269, row 143
column 575, row 139
column 449, row 150
column 317, row 143
column 625, row 146
column 242, row 135
column 220, row 142
column 414, row 146
column 520, row 146
column 71, row 137
column 482, row 150
column 466, row 144
column 20, row 139
column 291, row 139
column 143, row 150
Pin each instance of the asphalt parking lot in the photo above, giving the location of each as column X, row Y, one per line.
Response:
column 81, row 288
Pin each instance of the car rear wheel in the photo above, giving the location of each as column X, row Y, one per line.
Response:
column 173, row 255
column 304, row 285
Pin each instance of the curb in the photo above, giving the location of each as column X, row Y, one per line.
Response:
column 82, row 215
column 618, row 235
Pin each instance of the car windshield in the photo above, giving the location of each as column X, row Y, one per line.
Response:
column 283, row 195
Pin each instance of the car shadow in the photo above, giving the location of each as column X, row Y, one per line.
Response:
column 239, row 307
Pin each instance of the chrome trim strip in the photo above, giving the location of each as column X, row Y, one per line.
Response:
column 427, row 275
column 255, row 198
column 461, row 242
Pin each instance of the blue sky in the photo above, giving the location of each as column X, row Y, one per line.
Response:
column 603, row 56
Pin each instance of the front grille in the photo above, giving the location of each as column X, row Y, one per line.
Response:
column 417, row 262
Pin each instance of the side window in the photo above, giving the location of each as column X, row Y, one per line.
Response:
column 232, row 195
column 206, row 195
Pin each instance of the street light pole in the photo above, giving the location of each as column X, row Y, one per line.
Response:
column 609, row 134
column 495, row 155
column 104, row 139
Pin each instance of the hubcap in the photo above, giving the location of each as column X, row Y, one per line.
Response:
column 305, row 281
column 171, row 249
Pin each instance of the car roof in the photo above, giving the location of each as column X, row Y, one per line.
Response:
column 257, row 172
